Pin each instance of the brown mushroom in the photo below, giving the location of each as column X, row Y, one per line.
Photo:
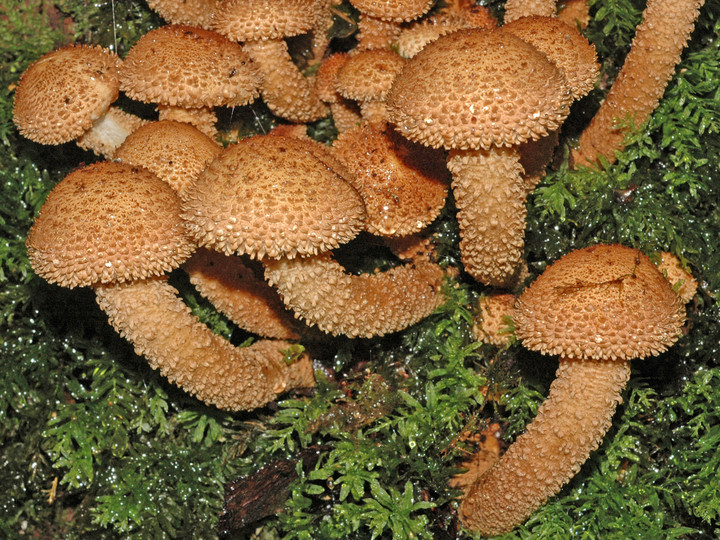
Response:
column 262, row 26
column 190, row 68
column 176, row 152
column 379, row 25
column 189, row 12
column 597, row 308
column 483, row 94
column 117, row 229
column 491, row 323
column 516, row 9
column 273, row 197
column 66, row 95
column 344, row 112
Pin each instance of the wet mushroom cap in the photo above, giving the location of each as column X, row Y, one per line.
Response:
column 603, row 302
column 61, row 94
column 176, row 152
column 188, row 67
column 108, row 222
column 564, row 45
column 190, row 12
column 273, row 196
column 368, row 74
column 252, row 20
column 396, row 11
column 479, row 89
column 403, row 184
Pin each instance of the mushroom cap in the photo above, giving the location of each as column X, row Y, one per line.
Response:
column 564, row 45
column 475, row 89
column 404, row 185
column 254, row 20
column 108, row 222
column 176, row 152
column 490, row 324
column 396, row 11
column 63, row 92
column 682, row 281
column 189, row 67
column 325, row 76
column 602, row 302
column 273, row 196
column 191, row 12
column 368, row 74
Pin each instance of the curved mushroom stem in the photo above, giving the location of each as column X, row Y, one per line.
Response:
column 516, row 9
column 161, row 327
column 233, row 289
column 650, row 64
column 285, row 90
column 319, row 290
column 490, row 198
column 569, row 425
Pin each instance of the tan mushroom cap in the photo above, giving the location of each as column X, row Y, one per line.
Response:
column 273, row 196
column 326, row 74
column 564, row 45
column 404, row 185
column 253, row 20
column 189, row 67
column 190, row 12
column 602, row 302
column 108, row 222
column 320, row 291
column 174, row 151
column 61, row 94
column 368, row 74
column 396, row 11
column 479, row 89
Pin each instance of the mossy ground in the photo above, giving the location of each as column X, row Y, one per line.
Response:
column 97, row 445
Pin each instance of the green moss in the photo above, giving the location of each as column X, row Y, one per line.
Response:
column 133, row 456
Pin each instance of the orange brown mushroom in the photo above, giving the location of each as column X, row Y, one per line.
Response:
column 285, row 201
column 597, row 308
column 67, row 95
column 117, row 228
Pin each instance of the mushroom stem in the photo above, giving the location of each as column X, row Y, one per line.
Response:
column 490, row 198
column 161, row 327
column 320, row 291
column 570, row 424
column 650, row 64
column 284, row 89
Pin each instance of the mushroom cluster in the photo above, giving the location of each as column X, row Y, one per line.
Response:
column 255, row 224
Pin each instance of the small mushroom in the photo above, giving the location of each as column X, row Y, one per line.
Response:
column 66, row 95
column 117, row 229
column 597, row 308
column 262, row 26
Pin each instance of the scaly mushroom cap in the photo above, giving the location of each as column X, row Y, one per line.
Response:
column 108, row 222
column 253, row 20
column 273, row 196
column 404, row 185
column 479, row 89
column 326, row 74
column 564, row 45
column 190, row 12
column 319, row 291
column 396, row 11
column 63, row 92
column 602, row 302
column 189, row 67
column 368, row 74
column 174, row 151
